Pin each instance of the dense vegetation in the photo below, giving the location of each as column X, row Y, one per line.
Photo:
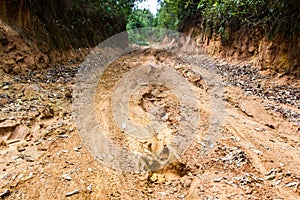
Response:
column 222, row 16
column 140, row 18
column 272, row 16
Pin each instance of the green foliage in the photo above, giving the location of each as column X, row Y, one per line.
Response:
column 114, row 7
column 225, row 16
column 139, row 19
column 174, row 13
column 168, row 15
column 112, row 11
column 272, row 16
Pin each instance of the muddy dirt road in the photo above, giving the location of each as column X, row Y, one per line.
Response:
column 256, row 154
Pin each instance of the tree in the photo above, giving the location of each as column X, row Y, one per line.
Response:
column 139, row 19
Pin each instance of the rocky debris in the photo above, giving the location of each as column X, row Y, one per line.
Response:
column 286, row 112
column 252, row 82
column 236, row 157
column 54, row 74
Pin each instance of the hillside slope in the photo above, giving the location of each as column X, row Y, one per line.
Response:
column 36, row 33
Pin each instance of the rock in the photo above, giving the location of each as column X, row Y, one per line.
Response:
column 63, row 136
column 76, row 149
column 239, row 157
column 271, row 176
column 89, row 187
column 258, row 152
column 3, row 145
column 124, row 125
column 4, row 193
column 165, row 118
column 68, row 94
column 276, row 183
column 66, row 177
column 219, row 179
column 48, row 112
column 158, row 178
column 32, row 92
column 292, row 184
column 21, row 148
column 20, row 132
column 72, row 193
column 8, row 124
column 248, row 190
column 6, row 87
column 44, row 147
column 29, row 159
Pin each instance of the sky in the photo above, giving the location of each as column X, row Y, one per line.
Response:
column 152, row 5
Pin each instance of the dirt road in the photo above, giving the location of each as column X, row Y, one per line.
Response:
column 256, row 155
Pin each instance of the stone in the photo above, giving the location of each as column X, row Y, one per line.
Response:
column 72, row 193
column 89, row 187
column 6, row 192
column 271, row 176
column 31, row 92
column 158, row 178
column 48, row 112
column 3, row 145
column 67, row 177
column 21, row 148
column 6, row 87
column 219, row 179
column 20, row 132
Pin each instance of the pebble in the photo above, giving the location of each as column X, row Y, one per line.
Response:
column 67, row 177
column 258, row 152
column 76, row 149
column 124, row 125
column 72, row 193
column 292, row 184
column 158, row 178
column 4, row 193
column 89, row 187
column 20, row 148
column 248, row 190
column 276, row 183
column 63, row 136
column 6, row 87
column 218, row 179
column 271, row 176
